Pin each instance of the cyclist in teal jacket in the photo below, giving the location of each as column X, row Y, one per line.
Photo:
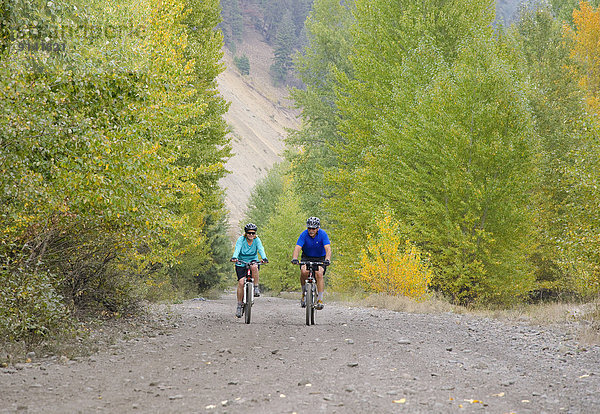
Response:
column 247, row 248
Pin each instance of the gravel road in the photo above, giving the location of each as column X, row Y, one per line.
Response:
column 355, row 360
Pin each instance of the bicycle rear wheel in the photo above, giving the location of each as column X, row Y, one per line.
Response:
column 249, row 299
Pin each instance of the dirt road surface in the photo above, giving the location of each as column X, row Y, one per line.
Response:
column 354, row 360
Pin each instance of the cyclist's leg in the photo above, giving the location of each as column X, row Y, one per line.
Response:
column 240, row 289
column 254, row 269
column 241, row 275
column 240, row 272
column 320, row 277
column 320, row 280
column 303, row 277
column 320, row 286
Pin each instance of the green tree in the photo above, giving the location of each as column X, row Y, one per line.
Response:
column 581, row 241
column 563, row 9
column 284, row 48
column 232, row 24
column 325, row 56
column 467, row 154
column 265, row 196
column 279, row 235
column 384, row 35
column 456, row 161
column 556, row 105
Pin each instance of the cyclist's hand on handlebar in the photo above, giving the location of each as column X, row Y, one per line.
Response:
column 233, row 259
column 265, row 260
column 327, row 262
column 295, row 261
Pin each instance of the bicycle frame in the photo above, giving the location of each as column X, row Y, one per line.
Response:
column 311, row 289
column 248, row 300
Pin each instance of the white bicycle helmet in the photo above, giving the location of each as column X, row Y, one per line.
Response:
column 313, row 223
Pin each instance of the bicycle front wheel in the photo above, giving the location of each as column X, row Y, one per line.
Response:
column 249, row 300
column 309, row 303
column 313, row 307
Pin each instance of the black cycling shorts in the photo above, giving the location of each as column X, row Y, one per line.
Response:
column 240, row 271
column 314, row 259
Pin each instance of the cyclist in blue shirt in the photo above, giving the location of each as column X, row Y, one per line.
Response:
column 315, row 246
column 247, row 248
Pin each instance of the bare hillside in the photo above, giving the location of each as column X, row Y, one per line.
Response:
column 258, row 117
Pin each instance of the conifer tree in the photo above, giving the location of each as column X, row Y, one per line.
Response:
column 284, row 48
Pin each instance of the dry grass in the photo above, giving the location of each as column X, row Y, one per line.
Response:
column 584, row 317
column 405, row 304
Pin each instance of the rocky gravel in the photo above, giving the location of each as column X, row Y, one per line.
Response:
column 354, row 360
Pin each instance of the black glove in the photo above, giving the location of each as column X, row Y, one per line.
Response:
column 295, row 261
column 326, row 262
column 233, row 259
column 265, row 260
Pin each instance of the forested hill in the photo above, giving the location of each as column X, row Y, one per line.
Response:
column 281, row 26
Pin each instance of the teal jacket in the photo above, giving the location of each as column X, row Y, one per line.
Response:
column 246, row 252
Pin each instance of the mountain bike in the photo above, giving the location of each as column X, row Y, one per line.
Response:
column 248, row 290
column 310, row 288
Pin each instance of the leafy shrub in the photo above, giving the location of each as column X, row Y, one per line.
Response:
column 31, row 308
column 387, row 268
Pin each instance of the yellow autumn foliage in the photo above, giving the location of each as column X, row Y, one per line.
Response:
column 390, row 266
column 586, row 52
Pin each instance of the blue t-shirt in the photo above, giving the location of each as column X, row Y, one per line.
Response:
column 313, row 247
column 246, row 252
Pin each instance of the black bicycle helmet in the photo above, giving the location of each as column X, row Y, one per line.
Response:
column 250, row 226
column 313, row 223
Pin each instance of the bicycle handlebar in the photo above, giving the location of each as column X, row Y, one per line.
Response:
column 248, row 263
column 318, row 263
